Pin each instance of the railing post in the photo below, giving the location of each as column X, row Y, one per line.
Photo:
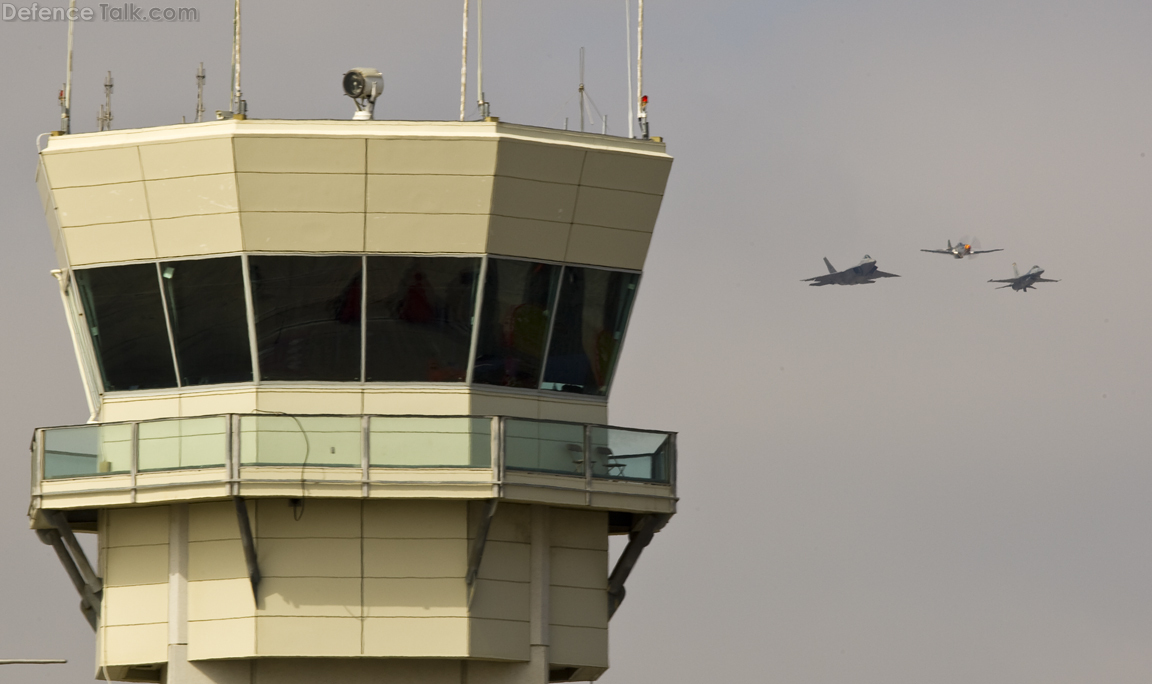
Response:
column 234, row 455
column 498, row 453
column 587, row 465
column 135, row 455
column 365, row 455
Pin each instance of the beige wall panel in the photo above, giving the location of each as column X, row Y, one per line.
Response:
column 415, row 520
column 43, row 188
column 220, row 599
column 307, row 636
column 607, row 247
column 310, row 597
column 213, row 560
column 429, row 194
column 531, row 199
column 637, row 504
column 498, row 404
column 506, row 561
column 323, row 518
column 187, row 158
column 136, row 605
column 426, row 233
column 335, row 192
column 222, row 639
column 385, row 403
column 309, row 557
column 355, row 671
column 513, row 523
column 453, row 157
column 500, row 639
column 536, row 161
column 212, row 403
column 129, row 565
column 57, row 238
column 635, row 172
column 93, row 167
column 303, row 231
column 573, row 411
column 116, row 203
column 415, row 557
column 285, row 154
column 528, row 238
column 137, row 526
column 577, row 607
column 111, row 242
column 415, row 597
column 135, row 644
column 578, row 529
column 617, row 209
column 182, row 493
column 544, row 495
column 193, row 195
column 121, row 408
column 301, row 402
column 215, row 521
column 195, row 235
column 436, row 637
column 579, row 568
column 579, row 646
column 502, row 600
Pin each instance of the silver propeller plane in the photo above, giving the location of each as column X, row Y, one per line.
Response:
column 863, row 273
column 961, row 250
column 1021, row 283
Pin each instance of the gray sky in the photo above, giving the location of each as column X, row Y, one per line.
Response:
column 924, row 480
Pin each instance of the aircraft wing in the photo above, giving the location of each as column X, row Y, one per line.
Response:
column 821, row 280
column 937, row 251
column 1044, row 280
column 1006, row 280
column 986, row 251
column 882, row 274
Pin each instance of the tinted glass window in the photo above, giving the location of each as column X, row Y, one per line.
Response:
column 209, row 319
column 518, row 298
column 126, row 320
column 307, row 316
column 419, row 318
column 590, row 319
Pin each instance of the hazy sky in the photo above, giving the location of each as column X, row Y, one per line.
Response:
column 922, row 480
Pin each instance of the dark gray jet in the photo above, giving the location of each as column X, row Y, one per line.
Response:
column 1021, row 283
column 863, row 273
column 961, row 250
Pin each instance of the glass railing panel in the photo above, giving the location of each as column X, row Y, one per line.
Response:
column 182, row 443
column 619, row 454
column 544, row 447
column 87, row 450
column 432, row 442
column 300, row 440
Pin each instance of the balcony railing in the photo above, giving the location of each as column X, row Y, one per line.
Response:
column 239, row 442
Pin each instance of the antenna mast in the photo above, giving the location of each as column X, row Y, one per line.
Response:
column 481, row 101
column 642, row 103
column 66, row 94
column 200, row 93
column 464, row 64
column 581, row 90
column 104, row 121
column 628, row 45
column 235, row 98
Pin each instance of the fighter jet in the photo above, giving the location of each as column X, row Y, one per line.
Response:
column 863, row 273
column 961, row 250
column 1023, row 282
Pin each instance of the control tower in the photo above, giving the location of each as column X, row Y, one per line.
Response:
column 349, row 389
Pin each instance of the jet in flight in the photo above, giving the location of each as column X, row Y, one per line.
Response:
column 863, row 273
column 961, row 250
column 1023, row 282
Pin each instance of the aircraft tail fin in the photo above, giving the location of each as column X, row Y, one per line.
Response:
column 949, row 245
column 1015, row 270
column 831, row 269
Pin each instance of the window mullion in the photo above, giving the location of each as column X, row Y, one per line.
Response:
column 168, row 323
